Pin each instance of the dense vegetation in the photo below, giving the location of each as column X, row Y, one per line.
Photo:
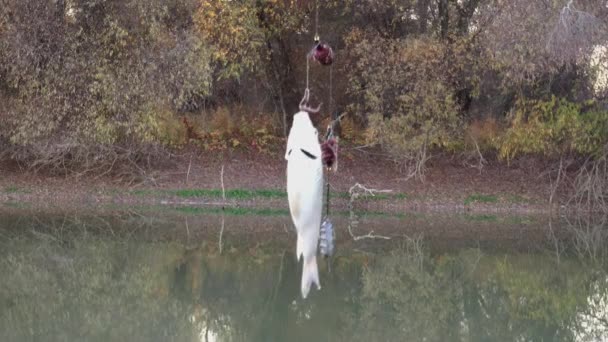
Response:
column 88, row 83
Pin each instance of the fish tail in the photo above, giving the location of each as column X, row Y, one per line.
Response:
column 310, row 275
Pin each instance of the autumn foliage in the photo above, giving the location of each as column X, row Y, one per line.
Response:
column 418, row 78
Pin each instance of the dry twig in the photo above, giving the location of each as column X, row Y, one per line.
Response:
column 357, row 191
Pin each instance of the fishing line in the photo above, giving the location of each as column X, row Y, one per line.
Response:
column 327, row 198
column 317, row 20
column 331, row 87
column 307, row 69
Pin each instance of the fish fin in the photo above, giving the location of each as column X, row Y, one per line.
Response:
column 299, row 247
column 310, row 275
column 294, row 207
column 290, row 139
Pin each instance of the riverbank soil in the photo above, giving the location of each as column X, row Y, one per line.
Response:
column 449, row 184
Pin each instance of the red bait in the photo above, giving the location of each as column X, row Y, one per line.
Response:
column 322, row 53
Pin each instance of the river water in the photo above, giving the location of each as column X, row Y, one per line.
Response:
column 203, row 274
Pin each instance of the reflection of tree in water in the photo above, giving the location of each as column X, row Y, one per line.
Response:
column 255, row 297
column 68, row 283
column 593, row 323
column 237, row 292
column 589, row 238
column 589, row 244
column 472, row 297
column 83, row 286
column 88, row 289
column 407, row 293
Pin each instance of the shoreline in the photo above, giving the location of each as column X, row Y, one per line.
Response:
column 258, row 180
column 392, row 203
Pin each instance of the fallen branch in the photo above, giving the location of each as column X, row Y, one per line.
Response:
column 369, row 235
column 366, row 191
column 481, row 161
column 357, row 191
column 188, row 173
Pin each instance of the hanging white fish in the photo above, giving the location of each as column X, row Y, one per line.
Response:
column 305, row 191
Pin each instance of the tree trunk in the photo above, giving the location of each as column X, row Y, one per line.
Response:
column 444, row 18
column 465, row 13
column 422, row 7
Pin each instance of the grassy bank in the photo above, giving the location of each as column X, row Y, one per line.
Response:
column 257, row 180
column 265, row 201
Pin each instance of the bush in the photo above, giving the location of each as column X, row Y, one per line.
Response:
column 554, row 127
column 101, row 75
column 233, row 127
column 485, row 133
column 402, row 90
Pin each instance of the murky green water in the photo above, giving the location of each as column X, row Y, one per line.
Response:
column 153, row 274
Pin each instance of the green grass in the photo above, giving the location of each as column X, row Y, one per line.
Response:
column 235, row 211
column 15, row 190
column 16, row 205
column 479, row 198
column 145, row 192
column 400, row 195
column 232, row 193
column 380, row 214
column 238, row 211
column 521, row 220
column 241, row 194
column 244, row 194
column 481, row 218
column 377, row 197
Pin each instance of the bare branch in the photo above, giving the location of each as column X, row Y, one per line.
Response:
column 369, row 235
column 188, row 173
column 575, row 33
column 366, row 191
column 356, row 191
column 591, row 185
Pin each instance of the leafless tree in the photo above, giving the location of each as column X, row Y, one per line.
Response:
column 576, row 33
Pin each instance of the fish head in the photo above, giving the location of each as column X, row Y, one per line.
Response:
column 303, row 134
column 303, row 124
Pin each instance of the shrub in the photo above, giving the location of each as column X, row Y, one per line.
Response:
column 405, row 95
column 554, row 127
column 102, row 75
column 233, row 127
column 486, row 133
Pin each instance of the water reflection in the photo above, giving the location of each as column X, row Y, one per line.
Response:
column 593, row 322
column 143, row 278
